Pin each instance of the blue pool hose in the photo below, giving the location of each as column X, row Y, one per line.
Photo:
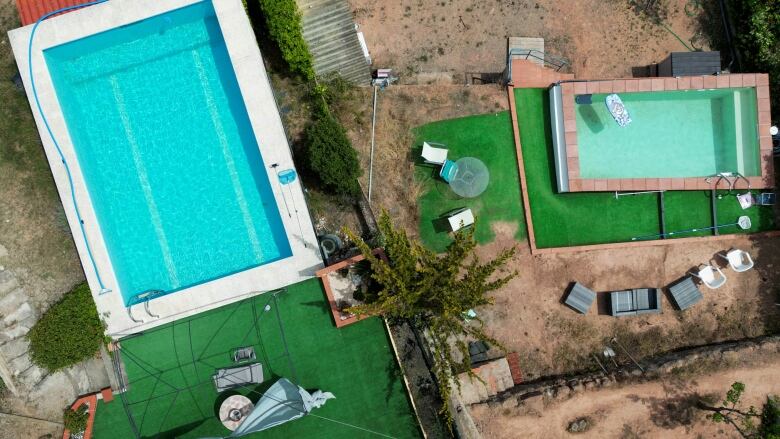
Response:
column 103, row 288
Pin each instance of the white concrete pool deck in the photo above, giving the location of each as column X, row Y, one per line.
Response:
column 269, row 131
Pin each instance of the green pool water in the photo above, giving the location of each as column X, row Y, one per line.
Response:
column 674, row 134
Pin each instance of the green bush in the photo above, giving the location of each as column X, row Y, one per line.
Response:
column 76, row 420
column 284, row 25
column 330, row 155
column 758, row 40
column 69, row 332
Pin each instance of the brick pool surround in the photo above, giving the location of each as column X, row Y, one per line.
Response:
column 659, row 242
column 570, row 89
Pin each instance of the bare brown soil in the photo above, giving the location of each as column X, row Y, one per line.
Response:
column 440, row 40
column 530, row 318
column 657, row 409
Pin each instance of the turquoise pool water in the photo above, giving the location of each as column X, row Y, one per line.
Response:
column 167, row 151
column 674, row 134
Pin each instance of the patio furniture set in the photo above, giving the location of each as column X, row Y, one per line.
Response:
column 468, row 177
column 685, row 293
column 235, row 408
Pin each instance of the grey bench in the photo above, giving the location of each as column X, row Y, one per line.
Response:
column 635, row 302
column 580, row 298
column 685, row 293
column 239, row 376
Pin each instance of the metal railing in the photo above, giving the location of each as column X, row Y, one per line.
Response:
column 550, row 61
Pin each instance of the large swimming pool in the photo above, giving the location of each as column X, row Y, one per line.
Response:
column 168, row 154
column 674, row 134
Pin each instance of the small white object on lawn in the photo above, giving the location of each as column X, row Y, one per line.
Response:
column 461, row 220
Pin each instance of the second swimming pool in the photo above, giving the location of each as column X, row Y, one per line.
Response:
column 674, row 134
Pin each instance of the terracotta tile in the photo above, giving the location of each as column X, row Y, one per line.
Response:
column 573, row 173
column 722, row 81
column 702, row 184
column 684, row 83
column 762, row 92
column 571, row 137
column 568, row 113
column 670, row 83
column 568, row 103
column 765, row 142
column 764, row 118
column 568, row 87
column 764, row 104
column 605, row 87
column 613, row 184
column 735, row 80
column 678, row 184
column 588, row 184
column 697, row 82
column 572, row 150
column 645, row 85
column 664, row 184
column 570, row 125
column 573, row 163
column 657, row 84
column 740, row 184
column 593, row 87
column 600, row 185
column 632, row 85
column 749, row 80
column 639, row 184
column 618, row 86
column 652, row 183
column 580, row 88
column 690, row 184
column 710, row 81
column 575, row 185
column 762, row 79
column 626, row 184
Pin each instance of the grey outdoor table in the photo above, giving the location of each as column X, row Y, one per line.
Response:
column 471, row 177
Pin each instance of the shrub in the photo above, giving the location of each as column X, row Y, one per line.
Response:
column 331, row 156
column 69, row 332
column 76, row 420
column 758, row 39
column 284, row 25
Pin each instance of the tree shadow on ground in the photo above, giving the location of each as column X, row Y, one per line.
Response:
column 677, row 408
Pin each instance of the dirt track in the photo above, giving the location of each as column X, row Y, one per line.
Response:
column 660, row 409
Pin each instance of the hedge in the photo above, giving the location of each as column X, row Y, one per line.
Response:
column 68, row 333
column 330, row 154
column 284, row 25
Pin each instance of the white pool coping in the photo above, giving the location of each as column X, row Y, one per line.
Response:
column 266, row 123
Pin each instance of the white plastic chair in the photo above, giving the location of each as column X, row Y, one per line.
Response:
column 433, row 155
column 739, row 260
column 461, row 219
column 707, row 274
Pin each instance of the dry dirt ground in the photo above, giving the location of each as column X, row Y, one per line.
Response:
column 529, row 317
column 427, row 40
column 657, row 409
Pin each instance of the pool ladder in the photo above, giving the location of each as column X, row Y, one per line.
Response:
column 730, row 177
column 144, row 297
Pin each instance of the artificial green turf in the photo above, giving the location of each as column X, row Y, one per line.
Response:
column 356, row 363
column 595, row 218
column 489, row 138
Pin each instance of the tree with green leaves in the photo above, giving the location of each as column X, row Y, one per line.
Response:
column 434, row 292
column 749, row 423
column 330, row 155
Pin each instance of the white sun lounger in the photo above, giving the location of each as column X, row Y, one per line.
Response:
column 433, row 155
column 461, row 219
column 739, row 260
column 707, row 274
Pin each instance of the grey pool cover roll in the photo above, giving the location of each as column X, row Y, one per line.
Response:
column 282, row 402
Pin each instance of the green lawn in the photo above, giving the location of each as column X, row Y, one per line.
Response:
column 489, row 138
column 596, row 218
column 169, row 371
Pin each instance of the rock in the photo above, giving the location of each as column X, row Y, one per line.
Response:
column 23, row 312
column 562, row 392
column 3, row 251
column 31, row 377
column 11, row 301
column 17, row 330
column 637, row 372
column 7, row 281
column 20, row 364
column 578, row 425
column 731, row 356
column 589, row 385
column 14, row 348
column 509, row 403
column 534, row 403
column 576, row 386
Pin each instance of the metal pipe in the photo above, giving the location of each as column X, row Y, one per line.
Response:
column 371, row 155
